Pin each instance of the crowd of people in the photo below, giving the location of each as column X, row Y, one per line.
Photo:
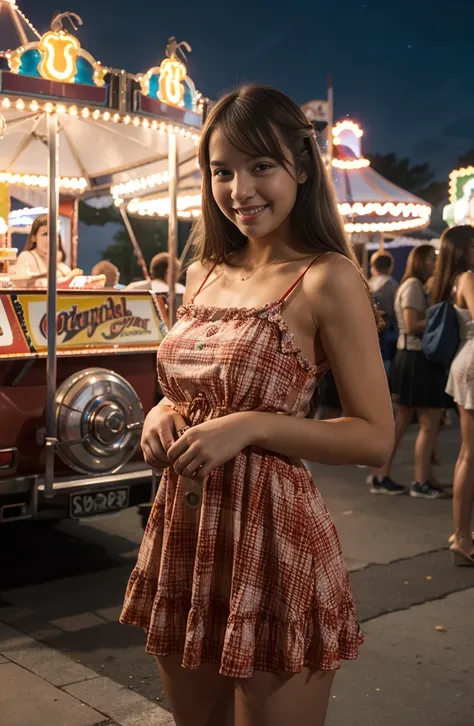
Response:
column 422, row 389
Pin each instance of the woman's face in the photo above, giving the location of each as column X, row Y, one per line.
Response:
column 42, row 240
column 256, row 194
column 430, row 264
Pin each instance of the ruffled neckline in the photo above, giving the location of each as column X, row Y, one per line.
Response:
column 269, row 311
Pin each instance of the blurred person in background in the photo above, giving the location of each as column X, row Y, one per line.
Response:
column 110, row 272
column 159, row 276
column 417, row 384
column 454, row 282
column 384, row 288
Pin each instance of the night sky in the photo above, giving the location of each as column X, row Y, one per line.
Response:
column 403, row 69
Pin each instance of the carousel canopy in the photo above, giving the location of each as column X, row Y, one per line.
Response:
column 111, row 124
column 368, row 201
column 15, row 28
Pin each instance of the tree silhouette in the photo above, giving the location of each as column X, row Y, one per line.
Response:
column 418, row 179
column 152, row 236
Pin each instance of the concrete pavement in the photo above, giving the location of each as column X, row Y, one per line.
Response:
column 416, row 611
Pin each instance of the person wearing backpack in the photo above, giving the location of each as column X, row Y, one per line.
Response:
column 417, row 383
column 453, row 291
column 384, row 288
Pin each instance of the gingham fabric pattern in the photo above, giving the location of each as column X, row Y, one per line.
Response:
column 255, row 579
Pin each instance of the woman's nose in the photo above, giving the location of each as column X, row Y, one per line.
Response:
column 243, row 187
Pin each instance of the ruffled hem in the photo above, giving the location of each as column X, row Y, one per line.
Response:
column 270, row 311
column 240, row 645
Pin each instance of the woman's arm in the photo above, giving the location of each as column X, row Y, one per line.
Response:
column 466, row 288
column 415, row 322
column 343, row 314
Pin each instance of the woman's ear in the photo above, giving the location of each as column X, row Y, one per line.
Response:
column 302, row 177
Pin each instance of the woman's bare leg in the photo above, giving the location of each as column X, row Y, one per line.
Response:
column 429, row 419
column 403, row 418
column 463, row 494
column 197, row 698
column 299, row 699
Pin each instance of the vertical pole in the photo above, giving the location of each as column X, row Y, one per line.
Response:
column 330, row 120
column 53, row 208
column 172, row 224
column 74, row 232
column 136, row 246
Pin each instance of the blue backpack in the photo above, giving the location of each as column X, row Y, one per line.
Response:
column 441, row 335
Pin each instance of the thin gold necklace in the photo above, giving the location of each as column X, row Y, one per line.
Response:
column 273, row 262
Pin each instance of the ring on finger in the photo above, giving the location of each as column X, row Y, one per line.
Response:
column 183, row 430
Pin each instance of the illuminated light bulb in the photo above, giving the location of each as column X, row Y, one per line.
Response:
column 127, row 120
column 96, row 115
column 116, row 117
column 72, row 110
column 34, row 106
column 85, row 113
column 61, row 109
column 48, row 107
column 162, row 126
column 6, row 103
column 106, row 115
column 154, row 124
column 350, row 163
column 145, row 123
column 136, row 121
column 347, row 126
column 20, row 104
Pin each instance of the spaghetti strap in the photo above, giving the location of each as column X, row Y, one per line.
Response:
column 297, row 282
column 203, row 282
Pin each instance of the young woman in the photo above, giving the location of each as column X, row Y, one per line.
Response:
column 32, row 263
column 240, row 577
column 454, row 281
column 417, row 384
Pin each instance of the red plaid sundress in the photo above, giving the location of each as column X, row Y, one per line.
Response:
column 254, row 579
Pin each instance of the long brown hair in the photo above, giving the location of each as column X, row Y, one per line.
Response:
column 452, row 261
column 258, row 121
column 41, row 221
column 416, row 263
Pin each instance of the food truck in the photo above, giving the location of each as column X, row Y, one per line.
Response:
column 78, row 365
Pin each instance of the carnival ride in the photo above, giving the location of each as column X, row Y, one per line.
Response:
column 72, row 125
column 460, row 209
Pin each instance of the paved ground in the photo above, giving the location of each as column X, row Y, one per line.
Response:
column 62, row 590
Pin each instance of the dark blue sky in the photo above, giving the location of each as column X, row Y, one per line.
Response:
column 403, row 69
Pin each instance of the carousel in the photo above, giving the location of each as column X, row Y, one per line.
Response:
column 77, row 361
column 372, row 207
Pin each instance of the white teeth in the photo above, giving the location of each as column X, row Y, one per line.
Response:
column 248, row 212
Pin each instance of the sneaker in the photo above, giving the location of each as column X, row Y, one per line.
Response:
column 425, row 491
column 384, row 486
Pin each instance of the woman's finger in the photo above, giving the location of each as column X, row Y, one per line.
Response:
column 150, row 458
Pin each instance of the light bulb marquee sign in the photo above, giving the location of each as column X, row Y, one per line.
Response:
column 460, row 210
column 58, row 56
column 169, row 82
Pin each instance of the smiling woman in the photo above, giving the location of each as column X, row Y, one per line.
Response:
column 240, row 577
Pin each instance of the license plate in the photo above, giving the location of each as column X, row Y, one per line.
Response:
column 88, row 504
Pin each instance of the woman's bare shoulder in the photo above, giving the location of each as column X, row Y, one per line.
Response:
column 196, row 273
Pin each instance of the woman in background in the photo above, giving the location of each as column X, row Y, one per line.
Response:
column 454, row 281
column 32, row 263
column 417, row 383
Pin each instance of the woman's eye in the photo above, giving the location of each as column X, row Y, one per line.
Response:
column 263, row 167
column 221, row 172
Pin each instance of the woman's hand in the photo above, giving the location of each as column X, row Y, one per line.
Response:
column 160, row 431
column 205, row 447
